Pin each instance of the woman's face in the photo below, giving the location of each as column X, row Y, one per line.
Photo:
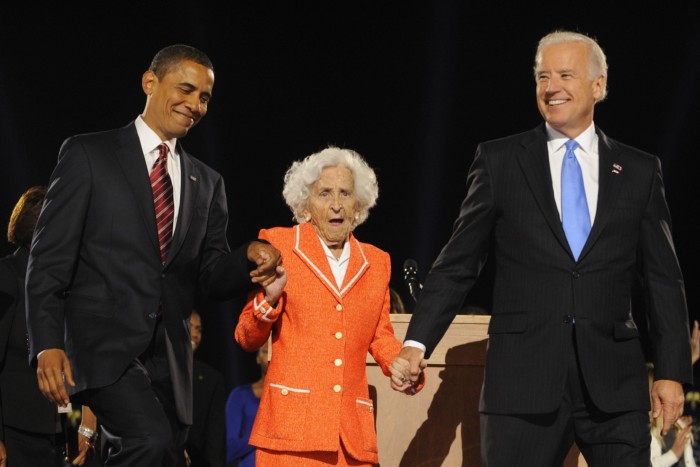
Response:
column 333, row 206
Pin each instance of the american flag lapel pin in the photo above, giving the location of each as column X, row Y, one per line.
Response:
column 193, row 178
column 616, row 168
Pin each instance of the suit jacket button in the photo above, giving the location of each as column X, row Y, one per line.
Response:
column 337, row 388
column 338, row 362
column 576, row 274
column 285, row 391
column 339, row 307
column 338, row 335
column 153, row 315
column 567, row 319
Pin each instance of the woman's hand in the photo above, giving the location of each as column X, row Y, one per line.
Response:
column 683, row 436
column 273, row 290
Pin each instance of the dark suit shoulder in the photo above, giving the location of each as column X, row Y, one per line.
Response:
column 617, row 146
column 100, row 137
column 518, row 139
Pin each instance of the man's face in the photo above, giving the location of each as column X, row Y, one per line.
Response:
column 195, row 330
column 179, row 101
column 565, row 93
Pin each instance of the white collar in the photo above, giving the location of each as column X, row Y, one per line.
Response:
column 149, row 139
column 586, row 140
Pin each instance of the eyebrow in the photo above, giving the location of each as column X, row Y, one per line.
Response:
column 192, row 87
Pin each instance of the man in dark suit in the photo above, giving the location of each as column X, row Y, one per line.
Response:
column 564, row 360
column 109, row 293
column 206, row 440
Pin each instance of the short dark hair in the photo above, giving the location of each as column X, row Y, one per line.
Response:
column 24, row 216
column 169, row 57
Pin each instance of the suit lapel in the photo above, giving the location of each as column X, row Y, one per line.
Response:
column 357, row 265
column 534, row 162
column 609, row 182
column 308, row 247
column 189, row 189
column 130, row 158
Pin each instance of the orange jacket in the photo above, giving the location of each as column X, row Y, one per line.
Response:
column 315, row 389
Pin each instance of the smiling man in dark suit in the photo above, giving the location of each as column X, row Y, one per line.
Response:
column 564, row 360
column 110, row 289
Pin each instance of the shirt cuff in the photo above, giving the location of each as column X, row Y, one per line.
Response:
column 410, row 343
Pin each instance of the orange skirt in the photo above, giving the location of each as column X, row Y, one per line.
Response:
column 270, row 458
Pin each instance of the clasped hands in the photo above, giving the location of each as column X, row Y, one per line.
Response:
column 667, row 398
column 269, row 263
column 407, row 370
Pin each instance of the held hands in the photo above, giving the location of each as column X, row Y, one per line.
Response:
column 406, row 370
column 267, row 258
column 52, row 373
column 667, row 400
column 273, row 290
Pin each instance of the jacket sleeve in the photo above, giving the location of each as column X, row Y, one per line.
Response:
column 257, row 318
column 667, row 310
column 385, row 347
column 55, row 247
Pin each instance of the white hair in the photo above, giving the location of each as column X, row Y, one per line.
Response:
column 597, row 63
column 304, row 173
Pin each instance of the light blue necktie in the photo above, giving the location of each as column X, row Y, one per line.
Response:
column 574, row 207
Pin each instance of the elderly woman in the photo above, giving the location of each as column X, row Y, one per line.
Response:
column 315, row 407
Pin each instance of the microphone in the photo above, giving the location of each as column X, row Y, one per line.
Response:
column 410, row 276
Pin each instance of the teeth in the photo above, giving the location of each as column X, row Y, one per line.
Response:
column 557, row 102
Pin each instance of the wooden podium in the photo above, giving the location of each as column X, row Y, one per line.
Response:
column 439, row 426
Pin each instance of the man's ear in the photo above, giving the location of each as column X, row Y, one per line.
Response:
column 598, row 87
column 149, row 81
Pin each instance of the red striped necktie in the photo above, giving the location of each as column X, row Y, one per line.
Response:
column 163, row 201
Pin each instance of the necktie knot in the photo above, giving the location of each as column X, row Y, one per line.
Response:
column 570, row 146
column 162, row 155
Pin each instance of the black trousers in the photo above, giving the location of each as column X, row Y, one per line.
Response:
column 543, row 440
column 137, row 414
column 25, row 448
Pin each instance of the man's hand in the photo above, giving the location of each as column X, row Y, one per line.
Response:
column 667, row 399
column 52, row 373
column 406, row 369
column 267, row 258
column 3, row 455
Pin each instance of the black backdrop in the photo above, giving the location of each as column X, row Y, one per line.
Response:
column 412, row 86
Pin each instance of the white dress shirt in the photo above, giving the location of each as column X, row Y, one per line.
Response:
column 339, row 266
column 587, row 156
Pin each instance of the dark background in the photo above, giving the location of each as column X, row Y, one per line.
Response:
column 412, row 86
